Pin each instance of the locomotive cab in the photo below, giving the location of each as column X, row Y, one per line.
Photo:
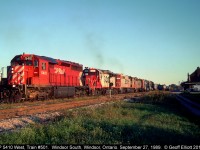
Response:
column 17, row 71
column 91, row 77
column 99, row 81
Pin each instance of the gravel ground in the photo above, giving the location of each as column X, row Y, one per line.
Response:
column 17, row 123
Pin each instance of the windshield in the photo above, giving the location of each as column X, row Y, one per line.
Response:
column 22, row 62
column 92, row 73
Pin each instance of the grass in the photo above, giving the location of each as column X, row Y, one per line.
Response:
column 155, row 120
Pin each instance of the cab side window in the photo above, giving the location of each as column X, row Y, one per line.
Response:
column 43, row 66
column 35, row 63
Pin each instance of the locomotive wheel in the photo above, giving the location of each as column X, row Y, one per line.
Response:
column 18, row 97
column 47, row 97
column 36, row 97
column 6, row 94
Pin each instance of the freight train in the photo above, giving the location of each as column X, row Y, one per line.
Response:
column 31, row 76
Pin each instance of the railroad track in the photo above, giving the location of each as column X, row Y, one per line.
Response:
column 43, row 108
column 192, row 106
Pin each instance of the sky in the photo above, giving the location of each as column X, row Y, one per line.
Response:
column 157, row 40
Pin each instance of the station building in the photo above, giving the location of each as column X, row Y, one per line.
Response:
column 193, row 80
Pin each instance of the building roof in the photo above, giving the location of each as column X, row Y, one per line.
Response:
column 195, row 76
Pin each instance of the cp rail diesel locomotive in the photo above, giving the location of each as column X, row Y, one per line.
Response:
column 31, row 76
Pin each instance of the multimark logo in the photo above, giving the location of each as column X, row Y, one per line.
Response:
column 59, row 70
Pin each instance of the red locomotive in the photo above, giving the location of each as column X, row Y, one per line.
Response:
column 100, row 81
column 32, row 76
column 35, row 77
column 43, row 71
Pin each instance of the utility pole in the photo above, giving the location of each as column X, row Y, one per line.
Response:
column 0, row 75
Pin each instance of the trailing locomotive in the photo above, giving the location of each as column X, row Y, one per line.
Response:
column 31, row 76
column 100, row 81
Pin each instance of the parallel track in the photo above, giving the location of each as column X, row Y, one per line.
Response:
column 192, row 106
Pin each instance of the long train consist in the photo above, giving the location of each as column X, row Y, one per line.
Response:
column 31, row 76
